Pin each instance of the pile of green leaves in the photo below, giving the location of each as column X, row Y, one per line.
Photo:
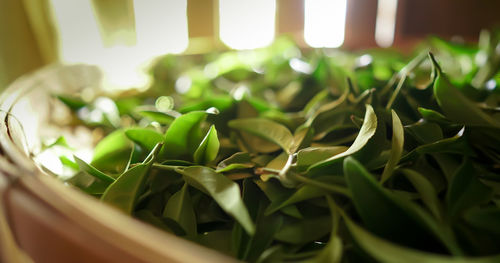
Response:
column 279, row 154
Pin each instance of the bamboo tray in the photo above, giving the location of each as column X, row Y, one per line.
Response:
column 41, row 219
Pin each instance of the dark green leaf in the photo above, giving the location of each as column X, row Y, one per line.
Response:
column 277, row 193
column 224, row 191
column 305, row 230
column 427, row 192
column 303, row 193
column 385, row 215
column 332, row 252
column 239, row 160
column 390, row 252
column 487, row 219
column 180, row 209
column 466, row 190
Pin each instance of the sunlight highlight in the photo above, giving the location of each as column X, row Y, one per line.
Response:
column 161, row 28
column 386, row 22
column 324, row 23
column 247, row 24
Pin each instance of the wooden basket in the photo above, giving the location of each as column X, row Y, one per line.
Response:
column 43, row 220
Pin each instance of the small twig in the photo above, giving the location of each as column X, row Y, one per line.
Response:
column 284, row 170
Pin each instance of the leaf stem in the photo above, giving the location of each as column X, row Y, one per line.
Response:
column 396, row 92
column 284, row 170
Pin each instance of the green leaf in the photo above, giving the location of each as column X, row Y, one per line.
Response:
column 254, row 201
column 224, row 191
column 148, row 217
column 89, row 169
column 219, row 240
column 458, row 145
column 146, row 138
column 427, row 192
column 386, row 251
column 209, row 147
column 433, row 116
column 312, row 155
column 265, row 129
column 302, row 137
column 385, row 215
column 397, row 147
column 366, row 132
column 303, row 193
column 125, row 191
column 275, row 192
column 73, row 103
column 180, row 209
column 332, row 252
column 465, row 190
column 239, row 160
column 88, row 183
column 305, row 230
column 69, row 163
column 455, row 105
column 112, row 153
column 158, row 116
column 486, row 219
column 60, row 141
column 425, row 132
column 183, row 136
column 267, row 227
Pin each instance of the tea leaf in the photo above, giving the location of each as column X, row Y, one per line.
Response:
column 365, row 133
column 183, row 136
column 93, row 171
column 267, row 130
column 224, row 191
column 180, row 208
column 390, row 252
column 146, row 138
column 124, row 192
column 112, row 153
column 455, row 105
column 397, row 147
column 466, row 190
column 209, row 147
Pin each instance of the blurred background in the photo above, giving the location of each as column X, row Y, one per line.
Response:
column 123, row 36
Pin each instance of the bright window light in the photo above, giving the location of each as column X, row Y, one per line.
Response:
column 161, row 27
column 386, row 22
column 80, row 40
column 247, row 24
column 324, row 22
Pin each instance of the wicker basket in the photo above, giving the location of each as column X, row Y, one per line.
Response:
column 42, row 220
